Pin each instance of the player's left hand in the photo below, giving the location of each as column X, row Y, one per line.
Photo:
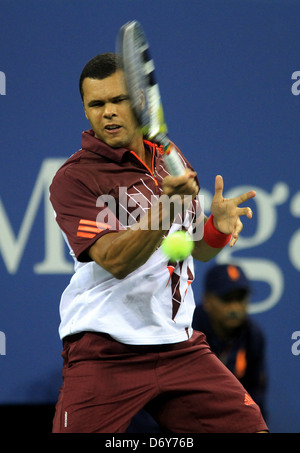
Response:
column 226, row 211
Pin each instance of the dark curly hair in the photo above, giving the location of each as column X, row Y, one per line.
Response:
column 100, row 67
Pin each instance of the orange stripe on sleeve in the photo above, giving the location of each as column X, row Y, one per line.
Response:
column 85, row 235
column 88, row 228
column 88, row 222
column 99, row 225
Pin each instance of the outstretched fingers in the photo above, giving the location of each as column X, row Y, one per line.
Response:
column 227, row 212
column 245, row 211
column 236, row 232
column 219, row 186
column 245, row 197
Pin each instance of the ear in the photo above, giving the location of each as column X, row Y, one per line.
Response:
column 85, row 111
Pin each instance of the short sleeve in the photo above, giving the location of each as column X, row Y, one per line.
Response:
column 82, row 215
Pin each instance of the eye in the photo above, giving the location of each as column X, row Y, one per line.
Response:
column 96, row 104
column 120, row 99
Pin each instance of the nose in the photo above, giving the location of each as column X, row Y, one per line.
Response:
column 110, row 110
column 235, row 306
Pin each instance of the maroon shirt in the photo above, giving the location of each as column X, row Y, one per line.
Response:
column 97, row 170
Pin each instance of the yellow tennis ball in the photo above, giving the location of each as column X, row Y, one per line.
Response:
column 177, row 246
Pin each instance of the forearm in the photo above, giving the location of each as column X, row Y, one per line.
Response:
column 123, row 252
column 203, row 250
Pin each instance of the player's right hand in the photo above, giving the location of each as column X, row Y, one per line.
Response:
column 181, row 185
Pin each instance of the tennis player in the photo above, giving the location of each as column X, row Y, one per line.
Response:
column 126, row 314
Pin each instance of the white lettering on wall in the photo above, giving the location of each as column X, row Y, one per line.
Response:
column 294, row 244
column 259, row 269
column 55, row 261
column 12, row 247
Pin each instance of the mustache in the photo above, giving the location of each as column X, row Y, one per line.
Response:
column 235, row 315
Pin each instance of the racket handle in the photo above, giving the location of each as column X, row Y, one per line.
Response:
column 173, row 161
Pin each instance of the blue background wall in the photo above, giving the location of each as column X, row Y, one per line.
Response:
column 228, row 74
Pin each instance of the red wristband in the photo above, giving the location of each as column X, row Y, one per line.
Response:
column 213, row 237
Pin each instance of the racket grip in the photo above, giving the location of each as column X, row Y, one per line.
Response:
column 173, row 162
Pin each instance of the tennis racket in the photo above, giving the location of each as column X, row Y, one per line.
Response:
column 144, row 92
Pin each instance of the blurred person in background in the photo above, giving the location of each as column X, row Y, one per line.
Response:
column 236, row 340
